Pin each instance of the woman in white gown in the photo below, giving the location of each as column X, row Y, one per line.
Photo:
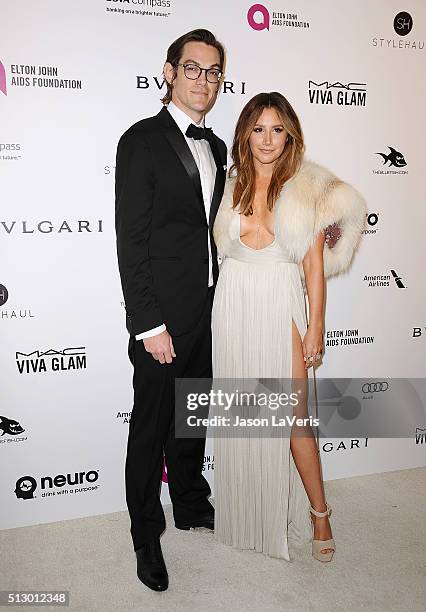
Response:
column 282, row 221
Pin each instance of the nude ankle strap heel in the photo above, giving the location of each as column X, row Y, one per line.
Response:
column 318, row 545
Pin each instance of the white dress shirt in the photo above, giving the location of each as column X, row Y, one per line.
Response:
column 206, row 165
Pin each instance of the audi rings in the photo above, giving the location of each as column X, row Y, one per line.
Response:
column 375, row 387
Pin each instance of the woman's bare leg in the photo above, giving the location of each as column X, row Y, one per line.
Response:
column 305, row 451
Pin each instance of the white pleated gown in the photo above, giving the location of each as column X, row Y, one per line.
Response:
column 260, row 500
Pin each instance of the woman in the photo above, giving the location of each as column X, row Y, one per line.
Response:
column 282, row 221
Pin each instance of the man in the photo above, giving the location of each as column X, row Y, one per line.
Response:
column 170, row 175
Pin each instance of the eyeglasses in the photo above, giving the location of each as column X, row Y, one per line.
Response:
column 193, row 72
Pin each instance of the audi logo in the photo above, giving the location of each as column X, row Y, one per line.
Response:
column 375, row 387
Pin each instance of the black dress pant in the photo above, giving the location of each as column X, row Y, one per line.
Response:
column 151, row 435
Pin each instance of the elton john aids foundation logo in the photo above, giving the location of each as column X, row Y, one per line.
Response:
column 3, row 88
column 258, row 17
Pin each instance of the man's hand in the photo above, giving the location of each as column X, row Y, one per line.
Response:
column 160, row 347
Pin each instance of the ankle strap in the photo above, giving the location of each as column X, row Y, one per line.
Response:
column 321, row 514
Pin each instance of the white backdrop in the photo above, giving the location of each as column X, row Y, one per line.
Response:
column 60, row 292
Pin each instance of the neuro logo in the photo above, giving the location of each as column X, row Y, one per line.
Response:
column 53, row 485
column 395, row 158
column 25, row 487
column 9, row 426
column 4, row 295
column 3, row 87
column 403, row 23
column 258, row 9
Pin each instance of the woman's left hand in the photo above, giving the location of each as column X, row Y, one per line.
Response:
column 312, row 346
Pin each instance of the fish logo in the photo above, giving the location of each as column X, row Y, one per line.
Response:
column 395, row 158
column 3, row 87
column 11, row 427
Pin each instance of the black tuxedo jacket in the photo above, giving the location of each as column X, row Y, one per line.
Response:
column 161, row 226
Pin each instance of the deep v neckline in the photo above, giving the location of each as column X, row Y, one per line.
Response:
column 251, row 248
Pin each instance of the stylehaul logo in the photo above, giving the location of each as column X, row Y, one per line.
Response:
column 54, row 485
column 51, row 360
column 259, row 18
column 402, row 25
column 15, row 313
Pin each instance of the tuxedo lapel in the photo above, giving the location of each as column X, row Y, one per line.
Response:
column 180, row 146
column 218, row 185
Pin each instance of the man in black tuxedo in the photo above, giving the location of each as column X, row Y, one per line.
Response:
column 170, row 175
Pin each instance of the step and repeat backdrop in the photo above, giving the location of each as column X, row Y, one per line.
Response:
column 74, row 75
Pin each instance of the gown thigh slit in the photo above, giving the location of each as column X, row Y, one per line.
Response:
column 260, row 500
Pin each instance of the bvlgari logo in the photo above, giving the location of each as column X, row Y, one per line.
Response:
column 343, row 445
column 419, row 332
column 48, row 227
column 228, row 87
column 342, row 94
column 51, row 360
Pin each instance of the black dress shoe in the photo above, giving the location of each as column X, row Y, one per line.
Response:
column 206, row 520
column 151, row 569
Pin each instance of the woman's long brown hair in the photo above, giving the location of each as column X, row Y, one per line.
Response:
column 286, row 165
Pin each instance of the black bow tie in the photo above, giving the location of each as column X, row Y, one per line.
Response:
column 200, row 133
